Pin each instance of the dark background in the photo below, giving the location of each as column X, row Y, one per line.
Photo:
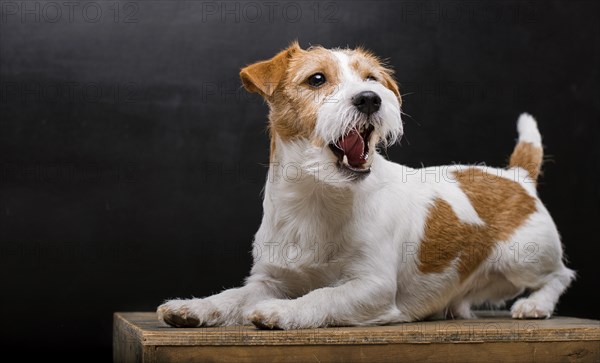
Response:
column 131, row 161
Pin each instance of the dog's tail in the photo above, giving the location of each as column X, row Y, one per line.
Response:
column 528, row 153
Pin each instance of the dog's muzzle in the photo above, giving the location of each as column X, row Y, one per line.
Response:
column 352, row 149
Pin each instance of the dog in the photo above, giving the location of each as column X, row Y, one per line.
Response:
column 349, row 238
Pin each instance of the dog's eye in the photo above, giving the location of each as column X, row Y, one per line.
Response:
column 370, row 77
column 316, row 80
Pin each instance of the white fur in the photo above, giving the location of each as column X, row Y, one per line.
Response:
column 528, row 130
column 333, row 251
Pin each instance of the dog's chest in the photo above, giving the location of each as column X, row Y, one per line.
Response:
column 306, row 242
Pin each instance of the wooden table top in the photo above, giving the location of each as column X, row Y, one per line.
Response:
column 489, row 327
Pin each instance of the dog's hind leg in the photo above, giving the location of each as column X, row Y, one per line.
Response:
column 541, row 302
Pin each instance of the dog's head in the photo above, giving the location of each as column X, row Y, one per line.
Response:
column 333, row 106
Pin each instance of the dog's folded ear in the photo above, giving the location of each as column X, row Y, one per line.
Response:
column 263, row 77
column 391, row 84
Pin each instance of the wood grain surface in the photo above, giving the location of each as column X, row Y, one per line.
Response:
column 494, row 336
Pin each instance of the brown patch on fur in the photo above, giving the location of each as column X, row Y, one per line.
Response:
column 367, row 64
column 295, row 105
column 265, row 76
column 501, row 203
column 273, row 145
column 529, row 157
column 292, row 102
column 214, row 315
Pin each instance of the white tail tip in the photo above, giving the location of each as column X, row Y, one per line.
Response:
column 528, row 130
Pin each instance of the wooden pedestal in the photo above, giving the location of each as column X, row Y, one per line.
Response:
column 494, row 337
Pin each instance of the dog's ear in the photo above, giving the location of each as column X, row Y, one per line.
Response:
column 391, row 84
column 263, row 77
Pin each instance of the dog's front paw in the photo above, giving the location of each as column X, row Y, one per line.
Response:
column 528, row 308
column 188, row 313
column 273, row 314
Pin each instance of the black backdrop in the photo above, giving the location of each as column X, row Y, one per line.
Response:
column 132, row 161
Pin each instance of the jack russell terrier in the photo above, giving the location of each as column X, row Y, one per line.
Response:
column 350, row 238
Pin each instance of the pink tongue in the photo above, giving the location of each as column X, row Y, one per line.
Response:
column 353, row 146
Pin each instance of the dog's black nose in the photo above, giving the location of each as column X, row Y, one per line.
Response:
column 367, row 102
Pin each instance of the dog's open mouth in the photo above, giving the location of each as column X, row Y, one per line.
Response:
column 352, row 149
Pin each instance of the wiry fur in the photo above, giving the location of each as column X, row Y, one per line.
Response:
column 396, row 245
